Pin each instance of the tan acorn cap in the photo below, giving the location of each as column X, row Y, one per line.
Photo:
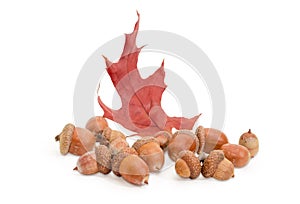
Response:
column 65, row 138
column 103, row 158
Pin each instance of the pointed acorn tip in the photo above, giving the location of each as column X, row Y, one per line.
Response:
column 75, row 169
column 56, row 138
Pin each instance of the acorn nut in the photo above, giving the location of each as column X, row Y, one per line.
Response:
column 250, row 141
column 182, row 140
column 217, row 166
column 87, row 164
column 237, row 154
column 75, row 140
column 188, row 165
column 131, row 167
column 214, row 139
column 148, row 148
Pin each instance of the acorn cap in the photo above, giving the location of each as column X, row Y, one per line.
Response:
column 200, row 133
column 129, row 150
column 211, row 163
column 188, row 159
column 140, row 142
column 65, row 138
column 116, row 162
column 103, row 158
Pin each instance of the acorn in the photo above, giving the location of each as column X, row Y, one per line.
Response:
column 75, row 140
column 217, row 166
column 87, row 164
column 214, row 139
column 237, row 154
column 250, row 141
column 148, row 148
column 188, row 165
column 182, row 140
column 103, row 158
column 96, row 124
column 131, row 167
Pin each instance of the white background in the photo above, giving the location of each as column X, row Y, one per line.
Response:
column 254, row 45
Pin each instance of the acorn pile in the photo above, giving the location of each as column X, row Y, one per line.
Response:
column 205, row 151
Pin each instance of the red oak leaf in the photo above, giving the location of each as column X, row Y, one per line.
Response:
column 141, row 110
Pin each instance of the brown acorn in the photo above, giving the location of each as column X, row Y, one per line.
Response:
column 188, row 165
column 182, row 140
column 148, row 148
column 250, row 141
column 87, row 164
column 75, row 140
column 217, row 166
column 214, row 139
column 131, row 167
column 237, row 154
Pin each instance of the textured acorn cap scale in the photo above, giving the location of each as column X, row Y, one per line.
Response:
column 103, row 158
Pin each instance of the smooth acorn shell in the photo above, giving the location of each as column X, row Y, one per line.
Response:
column 214, row 139
column 87, row 164
column 250, row 141
column 224, row 171
column 134, row 170
column 237, row 154
column 82, row 141
column 153, row 155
